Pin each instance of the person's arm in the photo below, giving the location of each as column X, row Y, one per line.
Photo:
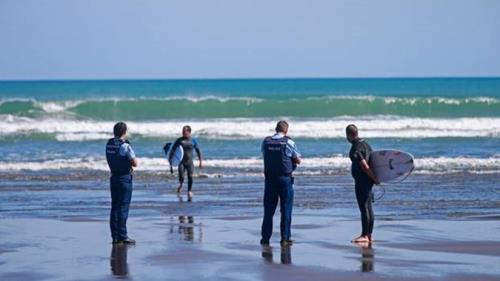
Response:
column 263, row 154
column 366, row 168
column 129, row 152
column 296, row 156
column 198, row 152
column 172, row 151
column 360, row 156
column 297, row 160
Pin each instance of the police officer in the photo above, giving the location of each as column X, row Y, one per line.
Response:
column 364, row 178
column 121, row 158
column 280, row 160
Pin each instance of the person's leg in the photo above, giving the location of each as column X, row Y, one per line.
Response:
column 125, row 198
column 286, row 206
column 113, row 215
column 270, row 204
column 181, row 177
column 190, row 170
column 362, row 197
column 369, row 207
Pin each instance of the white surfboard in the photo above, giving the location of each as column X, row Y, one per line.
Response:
column 390, row 165
column 177, row 156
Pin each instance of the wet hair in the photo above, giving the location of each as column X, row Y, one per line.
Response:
column 119, row 129
column 351, row 130
column 186, row 128
column 282, row 126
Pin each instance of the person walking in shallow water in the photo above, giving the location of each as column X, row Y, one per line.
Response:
column 121, row 158
column 364, row 178
column 188, row 145
column 280, row 160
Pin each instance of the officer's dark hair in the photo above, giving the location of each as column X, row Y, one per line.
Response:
column 351, row 130
column 119, row 129
column 186, row 128
column 282, row 126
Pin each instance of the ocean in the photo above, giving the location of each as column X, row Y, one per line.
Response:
column 52, row 136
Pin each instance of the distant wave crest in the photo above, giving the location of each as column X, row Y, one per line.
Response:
column 244, row 128
column 213, row 106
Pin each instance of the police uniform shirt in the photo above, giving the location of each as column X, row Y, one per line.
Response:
column 291, row 148
column 119, row 155
column 126, row 150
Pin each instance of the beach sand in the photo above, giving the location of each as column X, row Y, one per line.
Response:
column 226, row 248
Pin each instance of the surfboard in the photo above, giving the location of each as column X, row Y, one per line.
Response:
column 390, row 165
column 177, row 156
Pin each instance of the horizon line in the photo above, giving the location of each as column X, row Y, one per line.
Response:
column 247, row 78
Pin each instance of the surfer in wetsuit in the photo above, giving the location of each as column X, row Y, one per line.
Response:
column 188, row 144
column 364, row 178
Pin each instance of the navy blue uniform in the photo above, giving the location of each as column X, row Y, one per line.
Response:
column 279, row 153
column 363, row 184
column 119, row 155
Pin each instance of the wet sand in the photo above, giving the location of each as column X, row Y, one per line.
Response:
column 226, row 248
column 57, row 229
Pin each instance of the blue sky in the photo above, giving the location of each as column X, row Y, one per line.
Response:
column 100, row 39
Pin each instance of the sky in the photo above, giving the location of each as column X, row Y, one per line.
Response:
column 164, row 39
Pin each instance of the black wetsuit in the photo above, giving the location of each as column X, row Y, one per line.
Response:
column 186, row 165
column 363, row 184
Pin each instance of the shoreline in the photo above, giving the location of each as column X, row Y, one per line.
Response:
column 65, row 195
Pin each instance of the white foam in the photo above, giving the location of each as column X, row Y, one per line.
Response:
column 409, row 100
column 340, row 97
column 81, row 136
column 52, row 107
column 371, row 126
column 439, row 100
column 56, row 107
column 63, row 105
column 314, row 165
column 195, row 99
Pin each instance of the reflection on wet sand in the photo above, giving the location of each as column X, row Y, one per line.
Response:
column 285, row 257
column 267, row 253
column 186, row 227
column 118, row 260
column 181, row 198
column 367, row 257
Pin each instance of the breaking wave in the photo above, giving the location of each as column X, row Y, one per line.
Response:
column 372, row 127
column 212, row 106
column 336, row 164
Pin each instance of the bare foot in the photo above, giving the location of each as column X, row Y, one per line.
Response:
column 365, row 245
column 360, row 239
column 179, row 196
column 190, row 194
column 370, row 238
column 179, row 189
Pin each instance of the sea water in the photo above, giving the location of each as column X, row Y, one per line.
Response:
column 57, row 130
